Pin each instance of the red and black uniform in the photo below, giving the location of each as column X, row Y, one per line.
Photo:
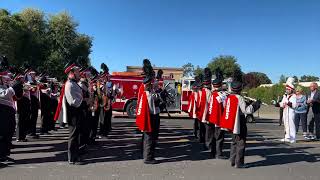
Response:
column 7, row 114
column 194, row 99
column 214, row 135
column 35, row 105
column 200, row 110
column 145, row 120
column 203, row 112
column 45, row 106
column 234, row 120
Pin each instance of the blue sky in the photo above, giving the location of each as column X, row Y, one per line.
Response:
column 271, row 36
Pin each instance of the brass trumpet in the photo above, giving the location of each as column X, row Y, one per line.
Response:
column 253, row 100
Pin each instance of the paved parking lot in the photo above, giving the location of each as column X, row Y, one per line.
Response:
column 180, row 156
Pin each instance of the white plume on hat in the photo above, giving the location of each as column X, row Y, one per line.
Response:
column 290, row 82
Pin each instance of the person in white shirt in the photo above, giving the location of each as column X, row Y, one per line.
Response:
column 73, row 99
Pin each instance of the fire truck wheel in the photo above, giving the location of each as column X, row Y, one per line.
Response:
column 131, row 109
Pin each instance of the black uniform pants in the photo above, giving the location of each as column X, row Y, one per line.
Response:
column 214, row 139
column 196, row 128
column 156, row 126
column 74, row 116
column 149, row 141
column 94, row 121
column 45, row 121
column 238, row 144
column 202, row 132
column 23, row 112
column 34, row 115
column 105, row 126
column 84, row 125
column 7, row 128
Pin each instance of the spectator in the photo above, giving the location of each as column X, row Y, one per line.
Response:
column 301, row 111
column 314, row 112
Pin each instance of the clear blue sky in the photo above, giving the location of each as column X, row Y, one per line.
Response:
column 272, row 36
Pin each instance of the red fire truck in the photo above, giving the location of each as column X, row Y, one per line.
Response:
column 128, row 85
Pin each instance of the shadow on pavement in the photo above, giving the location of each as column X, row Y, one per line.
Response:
column 175, row 144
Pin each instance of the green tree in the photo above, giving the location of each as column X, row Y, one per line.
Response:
column 263, row 78
column 10, row 35
column 47, row 43
column 198, row 70
column 227, row 64
column 296, row 79
column 308, row 78
column 188, row 70
column 65, row 43
column 282, row 79
column 34, row 46
column 255, row 79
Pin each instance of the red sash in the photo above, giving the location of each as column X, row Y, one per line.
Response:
column 191, row 104
column 215, row 109
column 143, row 120
column 59, row 107
column 229, row 117
column 202, row 104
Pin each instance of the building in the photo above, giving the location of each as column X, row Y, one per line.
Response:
column 175, row 73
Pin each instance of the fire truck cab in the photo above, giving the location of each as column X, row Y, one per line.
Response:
column 128, row 86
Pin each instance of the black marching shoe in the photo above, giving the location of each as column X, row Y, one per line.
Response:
column 151, row 161
column 33, row 136
column 21, row 140
column 242, row 166
column 76, row 162
column 6, row 159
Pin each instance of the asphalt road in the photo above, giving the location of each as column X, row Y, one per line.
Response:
column 180, row 156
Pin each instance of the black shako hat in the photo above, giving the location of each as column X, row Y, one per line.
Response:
column 217, row 82
column 197, row 82
column 147, row 71
column 237, row 81
column 236, row 86
column 159, row 74
column 207, row 76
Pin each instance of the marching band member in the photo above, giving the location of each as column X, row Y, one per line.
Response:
column 157, row 89
column 73, row 99
column 54, row 103
column 204, row 101
column 192, row 106
column 146, row 116
column 7, row 109
column 23, row 111
column 234, row 120
column 106, row 108
column 45, row 106
column 85, row 123
column 288, row 104
column 215, row 136
column 202, row 128
column 35, row 102
column 95, row 111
